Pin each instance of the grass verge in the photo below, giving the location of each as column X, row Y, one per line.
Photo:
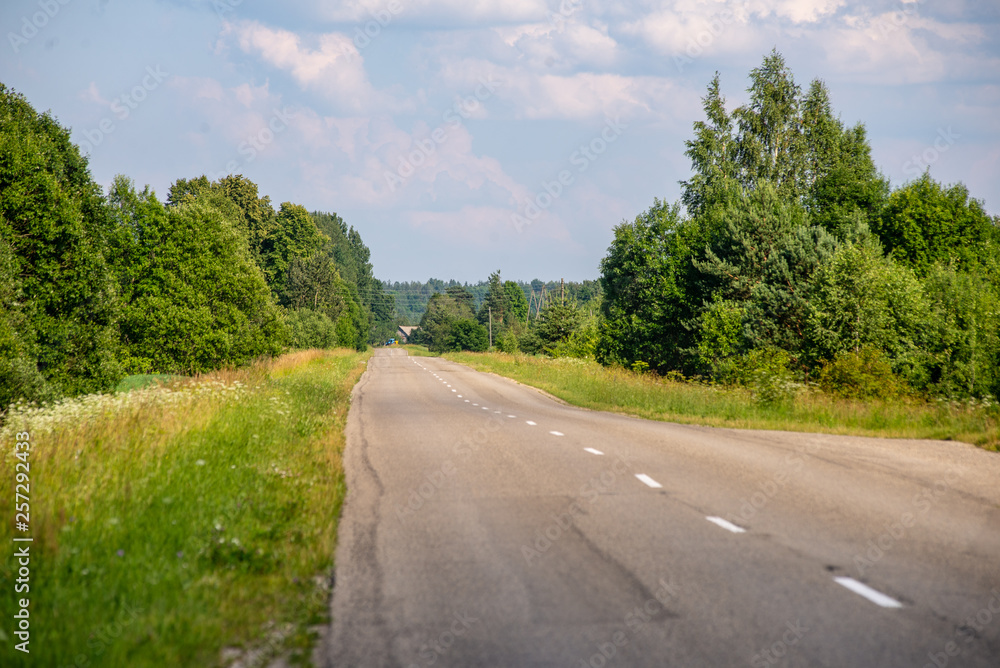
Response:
column 418, row 350
column 185, row 524
column 588, row 384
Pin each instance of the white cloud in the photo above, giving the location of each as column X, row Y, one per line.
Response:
column 334, row 68
column 579, row 96
column 797, row 11
column 566, row 45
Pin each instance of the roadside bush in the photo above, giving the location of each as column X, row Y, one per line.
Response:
column 860, row 298
column 862, row 374
column 468, row 335
column 310, row 329
column 508, row 343
column 721, row 337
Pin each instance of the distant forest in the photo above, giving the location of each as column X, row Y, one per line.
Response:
column 412, row 296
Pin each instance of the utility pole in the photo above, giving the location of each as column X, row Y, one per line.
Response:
column 562, row 292
column 491, row 326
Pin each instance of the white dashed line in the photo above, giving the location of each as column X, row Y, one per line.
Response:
column 557, row 433
column 460, row 396
column 593, row 451
column 454, row 390
column 861, row 589
column 475, row 404
column 647, row 480
column 485, row 408
column 512, row 416
column 725, row 524
column 531, row 423
column 466, row 401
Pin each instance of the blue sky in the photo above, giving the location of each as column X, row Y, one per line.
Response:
column 433, row 125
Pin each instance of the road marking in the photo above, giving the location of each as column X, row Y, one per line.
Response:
column 460, row 396
column 557, row 433
column 725, row 524
column 593, row 451
column 649, row 481
column 876, row 597
column 533, row 424
column 475, row 404
column 512, row 416
column 466, row 401
column 454, row 390
column 485, row 408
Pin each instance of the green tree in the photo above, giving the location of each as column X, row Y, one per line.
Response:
column 516, row 304
column 860, row 298
column 310, row 329
column 294, row 235
column 963, row 337
column 643, row 277
column 844, row 191
column 557, row 325
column 196, row 300
column 924, row 223
column 712, row 153
column 494, row 306
column 55, row 230
column 467, row 334
column 443, row 310
column 769, row 144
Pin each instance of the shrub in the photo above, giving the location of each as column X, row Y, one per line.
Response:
column 468, row 335
column 311, row 329
column 862, row 374
column 508, row 342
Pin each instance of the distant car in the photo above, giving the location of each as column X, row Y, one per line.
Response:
column 390, row 342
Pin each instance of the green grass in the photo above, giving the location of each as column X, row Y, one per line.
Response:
column 418, row 350
column 173, row 522
column 139, row 381
column 590, row 385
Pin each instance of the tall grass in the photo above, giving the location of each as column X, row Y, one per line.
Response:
column 191, row 523
column 588, row 384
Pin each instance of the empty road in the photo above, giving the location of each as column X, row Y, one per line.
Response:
column 486, row 524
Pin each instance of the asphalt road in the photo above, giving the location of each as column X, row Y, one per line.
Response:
column 487, row 524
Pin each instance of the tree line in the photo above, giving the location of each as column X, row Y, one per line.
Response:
column 412, row 296
column 788, row 259
column 536, row 318
column 789, row 256
column 95, row 286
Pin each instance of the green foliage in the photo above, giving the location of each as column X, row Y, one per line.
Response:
column 467, row 334
column 643, row 278
column 294, row 237
column 863, row 299
column 720, row 338
column 963, row 334
column 778, row 310
column 558, row 322
column 775, row 269
column 507, row 343
column 310, row 329
column 865, row 373
column 769, row 145
column 59, row 304
column 443, row 310
column 925, row 223
column 195, row 298
column 516, row 304
column 742, row 235
column 582, row 342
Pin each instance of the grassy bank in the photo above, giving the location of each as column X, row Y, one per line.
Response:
column 590, row 385
column 191, row 523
